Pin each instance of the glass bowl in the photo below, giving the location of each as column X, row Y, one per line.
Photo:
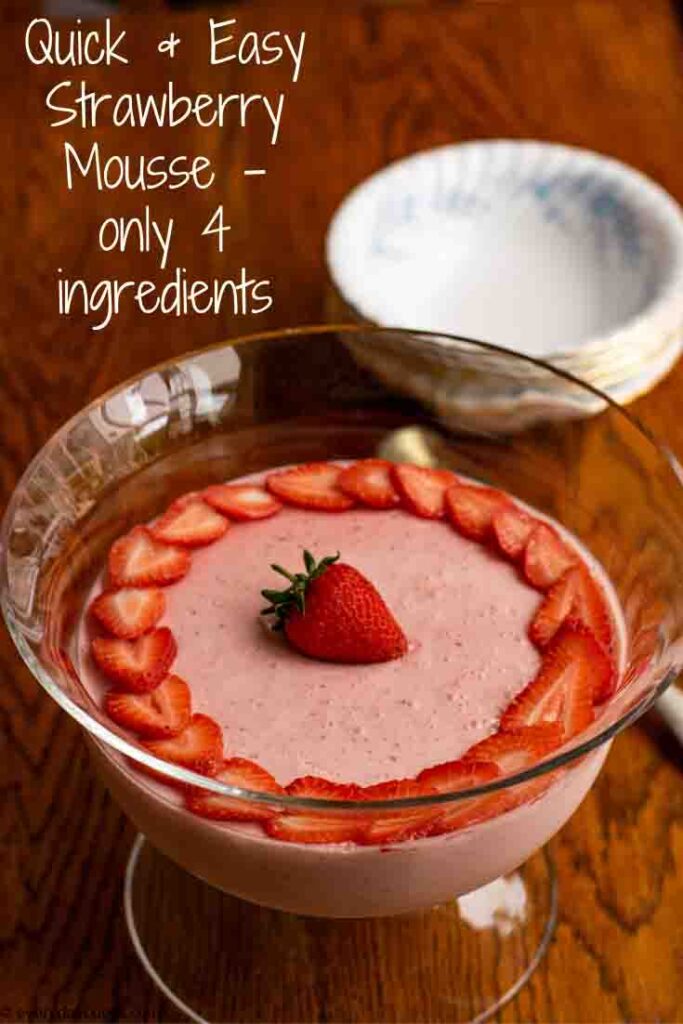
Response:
column 296, row 396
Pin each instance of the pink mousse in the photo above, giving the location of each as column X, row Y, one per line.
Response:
column 464, row 610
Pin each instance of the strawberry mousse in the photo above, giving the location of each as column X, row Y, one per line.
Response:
column 359, row 632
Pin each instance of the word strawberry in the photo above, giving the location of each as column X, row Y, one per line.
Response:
column 422, row 490
column 574, row 672
column 190, row 523
column 199, row 747
column 472, row 509
column 162, row 713
column 369, row 482
column 137, row 560
column 546, row 557
column 130, row 612
column 512, row 528
column 575, row 597
column 136, row 666
column 314, row 485
column 333, row 613
column 242, row 502
column 243, row 774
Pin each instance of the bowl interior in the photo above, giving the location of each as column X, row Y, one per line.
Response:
column 537, row 248
column 300, row 397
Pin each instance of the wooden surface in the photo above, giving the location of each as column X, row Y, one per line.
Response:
column 380, row 80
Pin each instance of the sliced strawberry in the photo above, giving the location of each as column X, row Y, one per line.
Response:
column 458, row 775
column 245, row 775
column 546, row 557
column 513, row 752
column 190, row 523
column 315, row 828
column 313, row 485
column 198, row 747
column 163, row 712
column 591, row 609
column 316, row 788
column 575, row 597
column 137, row 560
column 574, row 670
column 369, row 482
column 471, row 509
column 512, row 528
column 136, row 666
column 453, row 776
column 129, row 612
column 242, row 501
column 516, row 750
column 393, row 826
column 423, row 491
column 553, row 610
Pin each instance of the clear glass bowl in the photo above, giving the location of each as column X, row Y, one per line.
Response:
column 296, row 396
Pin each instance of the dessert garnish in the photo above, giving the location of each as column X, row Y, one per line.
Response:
column 333, row 613
column 242, row 502
column 576, row 673
column 153, row 716
column 129, row 612
column 189, row 522
column 369, row 482
column 423, row 490
column 472, row 509
column 138, row 560
column 575, row 597
column 315, row 827
column 512, row 528
column 198, row 747
column 314, row 485
column 137, row 666
column 546, row 557
column 236, row 771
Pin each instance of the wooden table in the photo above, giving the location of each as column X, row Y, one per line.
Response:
column 380, row 80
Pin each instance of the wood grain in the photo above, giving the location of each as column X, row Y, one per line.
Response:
column 380, row 80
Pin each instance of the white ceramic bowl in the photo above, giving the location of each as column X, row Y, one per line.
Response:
column 551, row 251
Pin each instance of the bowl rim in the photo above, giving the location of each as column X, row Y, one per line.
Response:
column 663, row 312
column 101, row 733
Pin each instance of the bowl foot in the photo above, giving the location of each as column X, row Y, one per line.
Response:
column 217, row 958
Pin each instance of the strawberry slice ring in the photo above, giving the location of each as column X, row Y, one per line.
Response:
column 573, row 630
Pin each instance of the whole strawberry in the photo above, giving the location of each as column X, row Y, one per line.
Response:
column 333, row 613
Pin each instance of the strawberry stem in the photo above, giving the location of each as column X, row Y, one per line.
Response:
column 283, row 602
